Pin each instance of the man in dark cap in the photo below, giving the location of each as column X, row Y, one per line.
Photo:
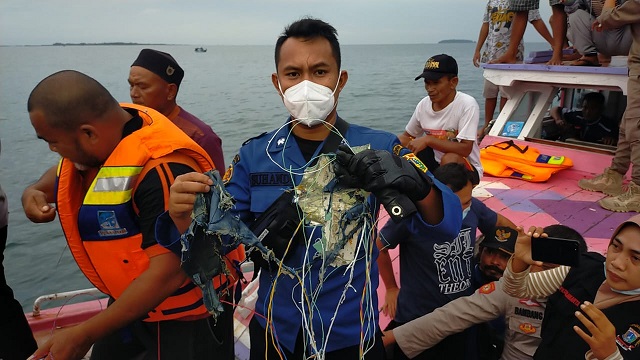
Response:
column 154, row 81
column 444, row 125
column 494, row 251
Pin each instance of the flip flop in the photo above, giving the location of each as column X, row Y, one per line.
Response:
column 585, row 62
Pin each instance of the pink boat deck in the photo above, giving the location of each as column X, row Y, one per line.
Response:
column 557, row 201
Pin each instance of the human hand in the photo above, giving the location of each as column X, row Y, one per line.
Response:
column 418, row 144
column 602, row 340
column 522, row 253
column 390, row 302
column 559, row 121
column 388, row 339
column 597, row 26
column 476, row 59
column 608, row 140
column 377, row 170
column 36, row 207
column 183, row 194
column 65, row 344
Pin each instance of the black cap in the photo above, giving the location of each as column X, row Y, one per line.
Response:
column 161, row 64
column 438, row 66
column 502, row 238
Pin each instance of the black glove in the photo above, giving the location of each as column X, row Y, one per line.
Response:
column 398, row 205
column 374, row 170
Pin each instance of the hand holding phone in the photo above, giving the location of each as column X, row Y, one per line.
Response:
column 555, row 251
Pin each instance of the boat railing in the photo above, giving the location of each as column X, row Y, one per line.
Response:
column 66, row 295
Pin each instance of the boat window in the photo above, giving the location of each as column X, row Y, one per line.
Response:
column 587, row 117
column 513, row 127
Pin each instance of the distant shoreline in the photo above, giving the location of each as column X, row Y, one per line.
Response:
column 102, row 43
column 455, row 41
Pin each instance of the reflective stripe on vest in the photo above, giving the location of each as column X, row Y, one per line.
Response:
column 112, row 185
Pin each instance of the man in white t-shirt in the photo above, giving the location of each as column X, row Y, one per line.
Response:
column 444, row 125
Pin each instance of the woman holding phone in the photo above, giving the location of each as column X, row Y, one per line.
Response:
column 593, row 310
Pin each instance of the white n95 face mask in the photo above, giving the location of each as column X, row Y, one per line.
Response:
column 308, row 102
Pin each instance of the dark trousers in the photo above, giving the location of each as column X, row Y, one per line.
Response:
column 171, row 340
column 16, row 341
column 257, row 334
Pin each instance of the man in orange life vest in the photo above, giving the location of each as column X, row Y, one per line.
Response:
column 154, row 81
column 118, row 162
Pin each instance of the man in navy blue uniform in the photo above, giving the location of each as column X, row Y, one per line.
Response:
column 322, row 301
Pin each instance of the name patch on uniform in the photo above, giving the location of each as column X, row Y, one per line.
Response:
column 109, row 224
column 487, row 288
column 270, row 179
column 538, row 315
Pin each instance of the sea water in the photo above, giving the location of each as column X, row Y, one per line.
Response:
column 228, row 87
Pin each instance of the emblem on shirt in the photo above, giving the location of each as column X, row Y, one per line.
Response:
column 448, row 134
column 170, row 70
column 487, row 288
column 630, row 339
column 527, row 328
column 229, row 173
column 280, row 141
column 109, row 224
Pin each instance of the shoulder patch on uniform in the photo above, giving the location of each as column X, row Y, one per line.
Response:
column 229, row 173
column 630, row 339
column 255, row 137
column 397, row 149
column 487, row 288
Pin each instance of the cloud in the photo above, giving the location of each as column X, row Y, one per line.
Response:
column 240, row 22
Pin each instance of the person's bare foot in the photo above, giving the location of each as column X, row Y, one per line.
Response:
column 604, row 60
column 585, row 61
column 573, row 56
column 555, row 60
column 504, row 59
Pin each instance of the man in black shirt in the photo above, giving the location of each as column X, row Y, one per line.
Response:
column 588, row 124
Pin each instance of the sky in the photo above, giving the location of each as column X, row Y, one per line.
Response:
column 239, row 22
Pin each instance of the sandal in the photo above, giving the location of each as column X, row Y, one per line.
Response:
column 585, row 61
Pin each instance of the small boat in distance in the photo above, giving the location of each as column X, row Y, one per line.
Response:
column 201, row 49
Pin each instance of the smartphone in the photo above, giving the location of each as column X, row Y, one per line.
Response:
column 556, row 251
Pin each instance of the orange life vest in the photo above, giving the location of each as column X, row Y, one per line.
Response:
column 506, row 159
column 101, row 225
